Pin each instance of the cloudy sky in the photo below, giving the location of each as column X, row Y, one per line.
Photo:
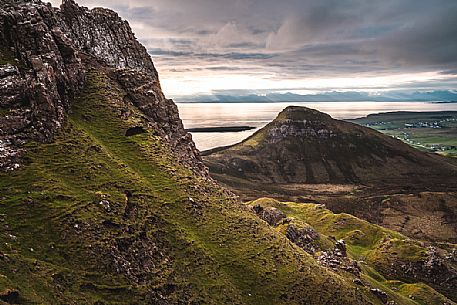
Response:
column 240, row 47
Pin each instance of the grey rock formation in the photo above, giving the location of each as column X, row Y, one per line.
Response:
column 303, row 236
column 40, row 73
column 103, row 34
column 270, row 214
column 44, row 55
column 381, row 295
column 437, row 269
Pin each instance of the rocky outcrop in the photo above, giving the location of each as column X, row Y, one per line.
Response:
column 381, row 295
column 44, row 55
column 338, row 259
column 269, row 214
column 39, row 75
column 438, row 270
column 303, row 236
column 307, row 238
column 10, row 296
column 102, row 33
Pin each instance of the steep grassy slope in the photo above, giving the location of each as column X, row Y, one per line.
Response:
column 97, row 216
column 382, row 253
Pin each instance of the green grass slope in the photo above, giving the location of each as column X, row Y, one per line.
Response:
column 69, row 234
column 379, row 251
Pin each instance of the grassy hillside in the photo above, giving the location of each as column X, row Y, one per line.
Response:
column 379, row 251
column 98, row 217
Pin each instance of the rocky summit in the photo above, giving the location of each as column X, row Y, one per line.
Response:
column 104, row 198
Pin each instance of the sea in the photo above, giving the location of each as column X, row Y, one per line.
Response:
column 199, row 115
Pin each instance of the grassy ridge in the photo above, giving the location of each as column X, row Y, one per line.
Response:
column 375, row 247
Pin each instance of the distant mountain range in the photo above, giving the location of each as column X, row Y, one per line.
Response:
column 332, row 96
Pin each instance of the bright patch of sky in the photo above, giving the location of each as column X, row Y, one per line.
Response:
column 210, row 47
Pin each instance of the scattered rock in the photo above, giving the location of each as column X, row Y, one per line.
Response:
column 381, row 295
column 437, row 270
column 452, row 256
column 106, row 205
column 194, row 207
column 358, row 281
column 337, row 259
column 340, row 248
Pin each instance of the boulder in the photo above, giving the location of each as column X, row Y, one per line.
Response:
column 270, row 214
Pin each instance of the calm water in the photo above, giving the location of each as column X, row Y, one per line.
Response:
column 260, row 114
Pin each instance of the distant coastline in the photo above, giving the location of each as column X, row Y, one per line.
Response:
column 220, row 129
column 330, row 96
column 204, row 115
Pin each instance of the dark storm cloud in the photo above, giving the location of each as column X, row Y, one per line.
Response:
column 231, row 55
column 449, row 72
column 160, row 52
column 298, row 38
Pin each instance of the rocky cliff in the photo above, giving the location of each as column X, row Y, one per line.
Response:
column 45, row 53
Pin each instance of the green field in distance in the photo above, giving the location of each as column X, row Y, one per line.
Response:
column 427, row 131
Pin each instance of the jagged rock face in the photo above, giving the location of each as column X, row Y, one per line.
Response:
column 44, row 55
column 42, row 73
column 102, row 33
column 306, row 146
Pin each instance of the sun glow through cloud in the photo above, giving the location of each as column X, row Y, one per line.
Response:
column 261, row 47
column 208, row 84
